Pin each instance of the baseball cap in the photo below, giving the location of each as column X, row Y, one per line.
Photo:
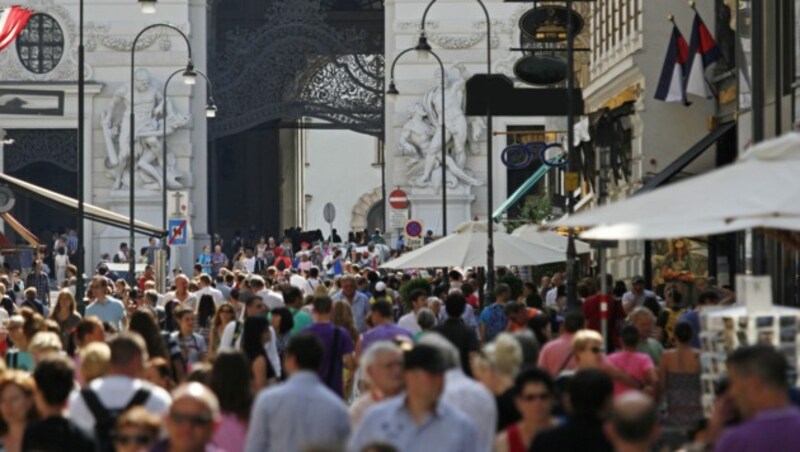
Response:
column 380, row 286
column 424, row 357
column 638, row 280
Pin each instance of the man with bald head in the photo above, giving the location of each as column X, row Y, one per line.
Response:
column 191, row 420
column 633, row 426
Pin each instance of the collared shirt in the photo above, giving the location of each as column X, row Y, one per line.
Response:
column 557, row 355
column 383, row 332
column 769, row 430
column 42, row 284
column 475, row 402
column 109, row 310
column 360, row 307
column 494, row 317
column 446, row 429
column 208, row 290
column 297, row 414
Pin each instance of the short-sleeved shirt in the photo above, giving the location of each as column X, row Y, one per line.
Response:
column 383, row 332
column 494, row 317
column 302, row 319
column 111, row 311
column 652, row 348
column 635, row 364
column 332, row 377
column 193, row 347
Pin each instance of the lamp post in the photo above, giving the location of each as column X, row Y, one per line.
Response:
column 211, row 112
column 490, row 277
column 79, row 283
column 423, row 47
column 189, row 79
column 573, row 178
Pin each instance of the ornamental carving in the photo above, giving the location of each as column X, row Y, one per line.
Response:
column 295, row 64
column 56, row 146
column 11, row 68
column 100, row 34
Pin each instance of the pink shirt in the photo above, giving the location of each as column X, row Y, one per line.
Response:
column 231, row 433
column 557, row 356
column 634, row 364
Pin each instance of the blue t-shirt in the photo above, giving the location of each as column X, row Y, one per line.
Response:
column 494, row 317
column 693, row 317
column 111, row 311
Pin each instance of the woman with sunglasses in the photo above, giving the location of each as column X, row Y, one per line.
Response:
column 137, row 430
column 225, row 314
column 533, row 397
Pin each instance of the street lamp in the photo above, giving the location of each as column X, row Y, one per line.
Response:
column 392, row 92
column 148, row 6
column 131, row 142
column 490, row 277
column 211, row 112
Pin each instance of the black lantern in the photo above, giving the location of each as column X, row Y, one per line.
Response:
column 548, row 23
column 541, row 69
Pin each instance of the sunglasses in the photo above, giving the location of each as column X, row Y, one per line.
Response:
column 139, row 440
column 534, row 397
column 198, row 420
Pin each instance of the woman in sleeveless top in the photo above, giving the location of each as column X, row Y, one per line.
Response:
column 680, row 372
column 533, row 396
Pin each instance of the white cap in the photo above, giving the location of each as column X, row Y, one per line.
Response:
column 380, row 286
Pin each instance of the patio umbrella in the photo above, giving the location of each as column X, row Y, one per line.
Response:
column 550, row 239
column 466, row 247
column 758, row 191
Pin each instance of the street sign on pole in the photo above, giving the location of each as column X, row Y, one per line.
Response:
column 398, row 199
column 329, row 214
column 398, row 218
column 413, row 228
column 178, row 232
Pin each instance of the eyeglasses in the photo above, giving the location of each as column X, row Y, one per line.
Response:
column 534, row 397
column 139, row 440
column 196, row 420
column 597, row 350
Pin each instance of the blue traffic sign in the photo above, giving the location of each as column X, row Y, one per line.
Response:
column 178, row 232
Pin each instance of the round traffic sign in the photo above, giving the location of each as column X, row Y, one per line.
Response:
column 413, row 228
column 398, row 199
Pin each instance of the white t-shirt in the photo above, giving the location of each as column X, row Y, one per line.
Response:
column 115, row 392
column 271, row 347
column 409, row 322
column 190, row 301
column 271, row 298
column 215, row 293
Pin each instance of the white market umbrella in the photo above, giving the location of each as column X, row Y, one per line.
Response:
column 466, row 247
column 760, row 190
column 531, row 233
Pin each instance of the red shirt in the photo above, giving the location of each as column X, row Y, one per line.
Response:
column 591, row 310
column 473, row 300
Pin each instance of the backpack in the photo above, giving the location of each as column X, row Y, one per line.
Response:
column 237, row 331
column 106, row 419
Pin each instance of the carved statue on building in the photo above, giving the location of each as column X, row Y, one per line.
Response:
column 148, row 111
column 421, row 136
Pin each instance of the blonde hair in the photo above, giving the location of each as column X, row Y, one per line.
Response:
column 45, row 341
column 641, row 311
column 503, row 355
column 583, row 338
column 342, row 315
column 63, row 293
column 95, row 360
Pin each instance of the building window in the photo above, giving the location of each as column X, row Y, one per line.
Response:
column 40, row 45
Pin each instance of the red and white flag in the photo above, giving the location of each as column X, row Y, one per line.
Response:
column 12, row 21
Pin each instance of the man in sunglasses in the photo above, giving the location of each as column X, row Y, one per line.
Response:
column 191, row 420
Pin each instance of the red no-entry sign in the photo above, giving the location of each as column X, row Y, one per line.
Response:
column 398, row 199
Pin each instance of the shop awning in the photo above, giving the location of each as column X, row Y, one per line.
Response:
column 688, row 157
column 21, row 230
column 91, row 212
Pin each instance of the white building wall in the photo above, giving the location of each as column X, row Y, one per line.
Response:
column 110, row 26
column 338, row 167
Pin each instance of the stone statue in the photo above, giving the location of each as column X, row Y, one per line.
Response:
column 148, row 112
column 421, row 136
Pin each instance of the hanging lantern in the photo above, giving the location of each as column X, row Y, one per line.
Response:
column 548, row 23
column 541, row 69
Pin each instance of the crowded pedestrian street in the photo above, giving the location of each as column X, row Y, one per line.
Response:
column 399, row 226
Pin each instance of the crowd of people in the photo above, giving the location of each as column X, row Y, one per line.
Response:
column 340, row 354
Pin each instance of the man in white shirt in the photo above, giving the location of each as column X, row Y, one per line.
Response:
column 272, row 299
column 233, row 332
column 204, row 281
column 635, row 297
column 120, row 385
column 552, row 295
column 419, row 300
